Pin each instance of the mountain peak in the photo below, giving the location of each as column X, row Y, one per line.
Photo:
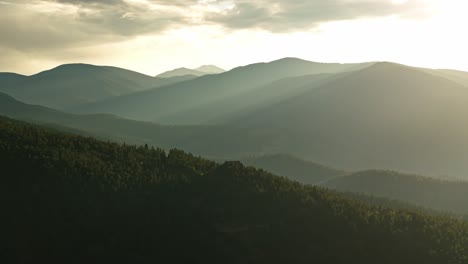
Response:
column 200, row 71
column 74, row 66
column 291, row 59
column 210, row 69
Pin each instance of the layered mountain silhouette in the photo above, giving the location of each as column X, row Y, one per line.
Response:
column 160, row 104
column 75, row 84
column 336, row 133
column 384, row 116
column 349, row 116
column 200, row 71
column 211, row 141
column 215, row 141
column 446, row 195
column 303, row 171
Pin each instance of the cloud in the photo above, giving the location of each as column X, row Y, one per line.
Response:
column 293, row 15
column 54, row 23
column 47, row 25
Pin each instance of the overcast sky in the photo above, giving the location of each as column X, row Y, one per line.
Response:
column 151, row 36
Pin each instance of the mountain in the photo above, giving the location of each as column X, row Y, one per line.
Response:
column 200, row 71
column 414, row 189
column 72, row 198
column 219, row 142
column 99, row 125
column 8, row 79
column 181, row 72
column 293, row 168
column 158, row 104
column 74, row 84
column 385, row 116
column 221, row 111
column 434, row 194
column 453, row 75
column 211, row 69
column 211, row 141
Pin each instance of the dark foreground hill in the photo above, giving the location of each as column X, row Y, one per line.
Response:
column 69, row 199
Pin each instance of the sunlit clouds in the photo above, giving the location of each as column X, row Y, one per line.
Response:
column 151, row 36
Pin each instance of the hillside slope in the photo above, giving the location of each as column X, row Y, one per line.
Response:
column 220, row 142
column 73, row 199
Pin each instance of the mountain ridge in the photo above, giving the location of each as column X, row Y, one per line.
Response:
column 155, row 104
column 199, row 71
column 74, row 84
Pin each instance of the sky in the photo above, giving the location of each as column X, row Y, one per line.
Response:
column 151, row 36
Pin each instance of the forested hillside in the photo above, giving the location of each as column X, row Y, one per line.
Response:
column 70, row 199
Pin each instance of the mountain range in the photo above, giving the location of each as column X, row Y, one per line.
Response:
column 157, row 104
column 447, row 195
column 290, row 161
column 200, row 71
column 354, row 117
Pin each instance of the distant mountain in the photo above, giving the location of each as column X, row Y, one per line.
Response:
column 160, row 104
column 74, row 84
column 98, row 125
column 435, row 194
column 383, row 116
column 211, row 141
column 8, row 79
column 453, row 75
column 223, row 110
column 200, row 71
column 305, row 172
column 211, row 69
column 181, row 72
column 418, row 190
column 355, row 117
